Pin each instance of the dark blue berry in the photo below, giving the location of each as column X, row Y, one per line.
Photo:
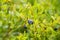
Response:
column 30, row 21
column 55, row 29
column 25, row 26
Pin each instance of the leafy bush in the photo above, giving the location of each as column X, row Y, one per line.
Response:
column 29, row 20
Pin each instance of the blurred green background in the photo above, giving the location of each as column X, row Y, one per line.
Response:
column 29, row 19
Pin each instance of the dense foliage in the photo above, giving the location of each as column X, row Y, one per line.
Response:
column 29, row 19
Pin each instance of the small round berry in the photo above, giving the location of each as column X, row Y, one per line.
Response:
column 55, row 29
column 25, row 26
column 30, row 21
